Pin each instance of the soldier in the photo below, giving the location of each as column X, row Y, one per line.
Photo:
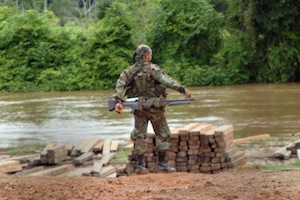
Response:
column 147, row 81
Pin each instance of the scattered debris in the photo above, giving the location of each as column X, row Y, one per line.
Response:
column 57, row 159
column 197, row 148
column 292, row 149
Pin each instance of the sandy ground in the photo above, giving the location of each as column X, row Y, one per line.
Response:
column 247, row 182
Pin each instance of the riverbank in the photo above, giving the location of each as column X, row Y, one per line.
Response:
column 249, row 181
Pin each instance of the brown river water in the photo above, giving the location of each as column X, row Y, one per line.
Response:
column 37, row 118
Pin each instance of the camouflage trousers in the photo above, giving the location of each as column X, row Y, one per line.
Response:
column 159, row 123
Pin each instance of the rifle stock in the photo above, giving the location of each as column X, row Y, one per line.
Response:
column 133, row 103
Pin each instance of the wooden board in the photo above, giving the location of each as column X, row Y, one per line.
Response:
column 114, row 145
column 251, row 138
column 57, row 151
column 69, row 147
column 10, row 166
column 201, row 128
column 90, row 144
column 50, row 145
column 53, row 171
column 97, row 167
column 106, row 171
column 107, row 158
column 99, row 146
column 84, row 157
column 186, row 129
column 283, row 153
column 29, row 171
column 175, row 133
column 79, row 171
column 24, row 158
column 80, row 146
column 129, row 146
column 106, row 146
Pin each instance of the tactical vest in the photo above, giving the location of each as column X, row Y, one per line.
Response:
column 143, row 84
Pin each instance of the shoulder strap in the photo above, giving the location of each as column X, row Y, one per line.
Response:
column 134, row 75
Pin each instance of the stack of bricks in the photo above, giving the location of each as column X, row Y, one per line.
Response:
column 54, row 155
column 174, row 149
column 150, row 157
column 198, row 148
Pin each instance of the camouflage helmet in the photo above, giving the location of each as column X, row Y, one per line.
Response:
column 140, row 52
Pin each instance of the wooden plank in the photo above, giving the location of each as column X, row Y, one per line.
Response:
column 175, row 133
column 45, row 150
column 106, row 146
column 53, row 171
column 29, row 171
column 90, row 144
column 69, row 147
column 97, row 167
column 79, row 171
column 10, row 166
column 80, row 146
column 241, row 161
column 186, row 129
column 57, row 159
column 129, row 146
column 24, row 158
column 114, row 145
column 224, row 134
column 74, row 152
column 283, row 153
column 198, row 129
column 99, row 146
column 251, row 138
column 293, row 145
column 113, row 175
column 236, row 156
column 106, row 171
column 57, row 151
column 84, row 157
column 107, row 158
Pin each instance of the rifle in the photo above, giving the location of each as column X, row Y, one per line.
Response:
column 133, row 103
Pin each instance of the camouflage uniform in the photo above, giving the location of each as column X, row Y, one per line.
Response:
column 149, row 82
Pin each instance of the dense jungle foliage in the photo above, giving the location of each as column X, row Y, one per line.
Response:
column 61, row 45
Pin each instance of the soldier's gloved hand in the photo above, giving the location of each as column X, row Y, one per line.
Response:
column 187, row 94
column 119, row 108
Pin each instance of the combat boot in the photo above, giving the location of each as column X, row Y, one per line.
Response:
column 162, row 164
column 140, row 167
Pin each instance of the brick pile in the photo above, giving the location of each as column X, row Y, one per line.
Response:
column 196, row 148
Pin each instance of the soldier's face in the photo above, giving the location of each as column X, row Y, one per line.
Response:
column 148, row 57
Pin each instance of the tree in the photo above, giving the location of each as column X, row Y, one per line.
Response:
column 25, row 50
column 112, row 44
column 185, row 33
column 64, row 9
column 268, row 34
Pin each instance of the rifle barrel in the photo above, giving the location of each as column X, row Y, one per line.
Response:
column 112, row 102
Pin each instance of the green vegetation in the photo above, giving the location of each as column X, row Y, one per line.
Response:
column 64, row 45
column 25, row 148
column 122, row 154
column 276, row 167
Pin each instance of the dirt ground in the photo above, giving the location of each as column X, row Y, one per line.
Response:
column 228, row 185
column 247, row 182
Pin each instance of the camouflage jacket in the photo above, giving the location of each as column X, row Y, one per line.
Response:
column 144, row 79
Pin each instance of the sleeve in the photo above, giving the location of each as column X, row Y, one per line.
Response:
column 163, row 78
column 118, row 94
